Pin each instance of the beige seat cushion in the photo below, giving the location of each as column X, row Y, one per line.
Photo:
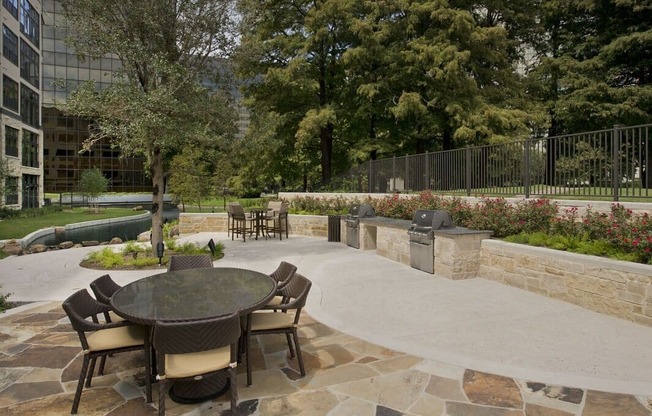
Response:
column 115, row 317
column 194, row 363
column 274, row 320
column 277, row 300
column 123, row 336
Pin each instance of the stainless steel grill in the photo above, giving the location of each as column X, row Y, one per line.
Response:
column 422, row 237
column 352, row 222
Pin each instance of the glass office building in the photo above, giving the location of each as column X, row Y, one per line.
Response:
column 63, row 136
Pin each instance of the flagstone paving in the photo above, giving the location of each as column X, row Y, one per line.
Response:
column 40, row 363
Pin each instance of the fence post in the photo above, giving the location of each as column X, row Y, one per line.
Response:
column 407, row 171
column 526, row 176
column 468, row 170
column 393, row 178
column 615, row 162
column 427, row 171
column 369, row 181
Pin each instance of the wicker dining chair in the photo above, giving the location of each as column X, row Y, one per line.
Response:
column 282, row 276
column 101, row 339
column 191, row 350
column 190, row 261
column 103, row 288
column 278, row 217
column 281, row 322
column 241, row 224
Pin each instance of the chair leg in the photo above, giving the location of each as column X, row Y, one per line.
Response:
column 90, row 372
column 233, row 387
column 290, row 346
column 100, row 371
column 162, row 392
column 80, row 385
column 148, row 369
column 299, row 355
column 248, row 350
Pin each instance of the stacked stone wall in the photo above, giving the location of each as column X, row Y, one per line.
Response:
column 616, row 288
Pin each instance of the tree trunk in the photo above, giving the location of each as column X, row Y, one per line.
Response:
column 157, row 198
column 326, row 135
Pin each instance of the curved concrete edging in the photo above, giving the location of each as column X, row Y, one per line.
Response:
column 28, row 239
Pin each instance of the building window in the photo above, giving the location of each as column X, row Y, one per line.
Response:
column 12, row 6
column 30, row 149
column 11, row 190
column 9, row 93
column 29, row 63
column 11, row 141
column 9, row 45
column 29, row 106
column 30, row 191
column 29, row 22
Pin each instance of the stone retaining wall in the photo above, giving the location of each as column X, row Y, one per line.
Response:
column 616, row 288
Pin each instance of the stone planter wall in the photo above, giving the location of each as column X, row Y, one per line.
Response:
column 457, row 253
column 616, row 288
column 308, row 225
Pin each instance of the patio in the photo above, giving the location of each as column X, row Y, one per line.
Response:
column 378, row 339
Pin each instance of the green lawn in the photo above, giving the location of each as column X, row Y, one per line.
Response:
column 20, row 227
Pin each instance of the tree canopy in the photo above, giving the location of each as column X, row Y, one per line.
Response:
column 346, row 81
column 167, row 47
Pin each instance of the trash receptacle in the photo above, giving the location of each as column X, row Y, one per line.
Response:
column 334, row 228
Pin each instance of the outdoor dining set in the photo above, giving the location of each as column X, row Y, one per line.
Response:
column 257, row 221
column 194, row 324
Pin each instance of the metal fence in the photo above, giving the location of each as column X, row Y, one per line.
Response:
column 609, row 164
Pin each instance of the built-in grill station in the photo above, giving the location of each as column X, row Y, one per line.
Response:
column 352, row 222
column 422, row 237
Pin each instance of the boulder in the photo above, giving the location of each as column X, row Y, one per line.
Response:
column 144, row 237
column 77, row 246
column 137, row 208
column 13, row 247
column 37, row 248
column 90, row 243
column 59, row 230
column 116, row 240
column 174, row 231
column 65, row 245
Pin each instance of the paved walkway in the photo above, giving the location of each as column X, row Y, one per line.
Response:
column 440, row 346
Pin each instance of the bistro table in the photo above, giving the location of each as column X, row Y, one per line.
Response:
column 192, row 294
column 258, row 215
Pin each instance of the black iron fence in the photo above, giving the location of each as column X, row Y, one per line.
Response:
column 611, row 164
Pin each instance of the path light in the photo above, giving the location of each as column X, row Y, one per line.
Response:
column 160, row 249
column 211, row 246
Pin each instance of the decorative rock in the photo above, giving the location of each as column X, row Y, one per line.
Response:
column 37, row 248
column 66, row 244
column 59, row 230
column 77, row 245
column 491, row 390
column 13, row 247
column 174, row 231
column 144, row 237
column 104, row 243
column 116, row 240
column 90, row 243
column 137, row 208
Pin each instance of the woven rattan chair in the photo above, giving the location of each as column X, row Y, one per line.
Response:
column 191, row 261
column 103, row 288
column 194, row 349
column 278, row 217
column 102, row 339
column 282, row 275
column 241, row 224
column 261, row 323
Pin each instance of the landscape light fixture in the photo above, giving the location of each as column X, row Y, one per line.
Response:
column 211, row 246
column 160, row 249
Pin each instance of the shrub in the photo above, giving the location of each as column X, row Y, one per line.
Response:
column 144, row 262
column 4, row 303
column 106, row 257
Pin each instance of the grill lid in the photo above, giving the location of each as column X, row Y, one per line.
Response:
column 426, row 220
column 361, row 211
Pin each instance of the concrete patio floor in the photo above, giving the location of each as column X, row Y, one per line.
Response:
column 379, row 338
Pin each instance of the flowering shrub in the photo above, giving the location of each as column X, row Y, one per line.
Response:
column 620, row 234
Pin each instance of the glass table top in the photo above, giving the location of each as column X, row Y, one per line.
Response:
column 193, row 294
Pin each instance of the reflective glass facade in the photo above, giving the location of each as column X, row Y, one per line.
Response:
column 64, row 136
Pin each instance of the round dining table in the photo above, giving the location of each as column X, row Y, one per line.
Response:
column 193, row 294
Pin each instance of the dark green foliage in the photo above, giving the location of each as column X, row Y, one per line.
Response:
column 6, row 213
